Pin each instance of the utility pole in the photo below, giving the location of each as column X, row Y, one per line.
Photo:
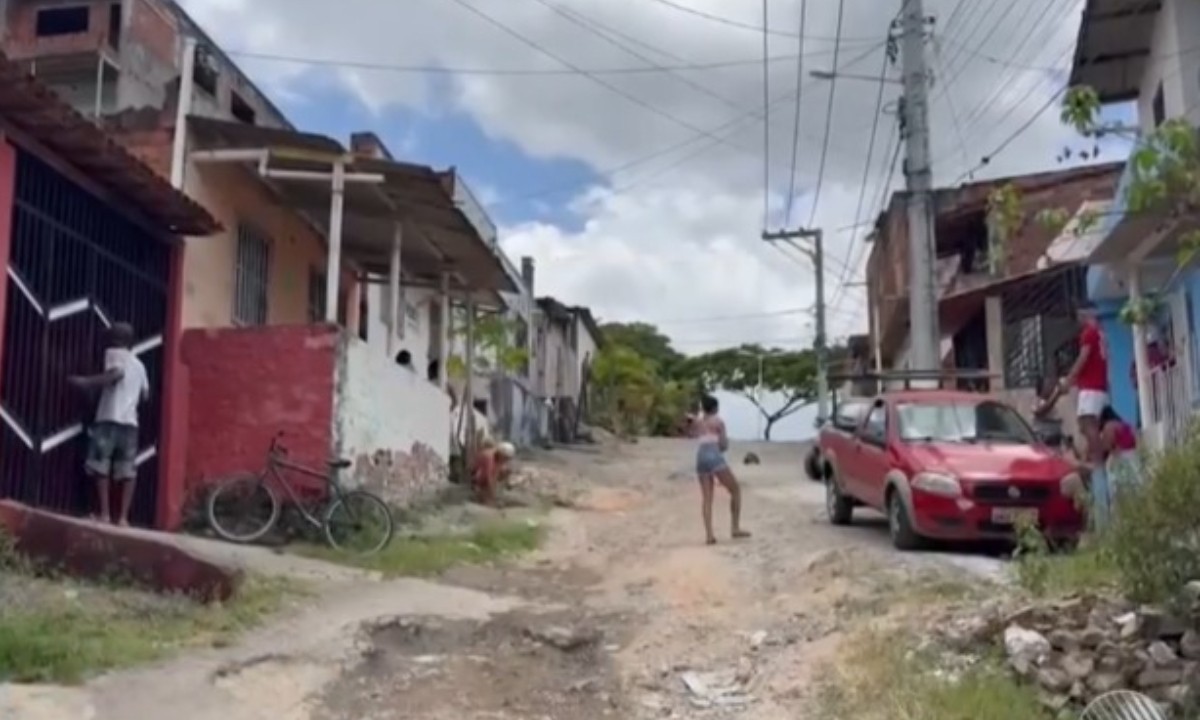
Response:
column 924, row 334
column 817, row 254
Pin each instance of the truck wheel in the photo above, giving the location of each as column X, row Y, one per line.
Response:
column 812, row 466
column 838, row 507
column 899, row 526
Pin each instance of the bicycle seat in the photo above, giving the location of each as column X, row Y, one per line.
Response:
column 339, row 463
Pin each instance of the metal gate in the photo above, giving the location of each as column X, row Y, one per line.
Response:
column 76, row 266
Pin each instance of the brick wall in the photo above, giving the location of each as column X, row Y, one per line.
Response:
column 246, row 384
column 22, row 40
column 154, row 28
column 888, row 266
column 148, row 135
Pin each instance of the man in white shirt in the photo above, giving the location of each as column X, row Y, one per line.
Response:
column 113, row 440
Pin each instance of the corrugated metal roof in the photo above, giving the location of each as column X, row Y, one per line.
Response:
column 31, row 108
column 416, row 194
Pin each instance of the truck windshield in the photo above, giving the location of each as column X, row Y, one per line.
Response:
column 962, row 421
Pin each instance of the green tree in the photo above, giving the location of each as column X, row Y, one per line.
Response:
column 1163, row 182
column 788, row 373
column 496, row 346
column 645, row 340
column 624, row 388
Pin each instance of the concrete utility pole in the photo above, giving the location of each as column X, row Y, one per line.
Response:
column 817, row 254
column 924, row 334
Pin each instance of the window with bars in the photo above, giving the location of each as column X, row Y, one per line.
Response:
column 1025, row 346
column 316, row 295
column 251, row 277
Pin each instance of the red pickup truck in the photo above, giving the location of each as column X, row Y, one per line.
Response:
column 847, row 416
column 948, row 465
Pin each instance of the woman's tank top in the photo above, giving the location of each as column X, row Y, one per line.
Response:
column 707, row 433
column 1124, row 438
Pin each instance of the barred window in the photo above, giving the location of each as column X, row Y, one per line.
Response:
column 316, row 295
column 251, row 277
column 1026, row 361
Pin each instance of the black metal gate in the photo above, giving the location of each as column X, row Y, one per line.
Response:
column 76, row 266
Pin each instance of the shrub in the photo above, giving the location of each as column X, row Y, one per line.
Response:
column 1155, row 536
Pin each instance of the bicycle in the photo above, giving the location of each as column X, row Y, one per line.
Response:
column 253, row 492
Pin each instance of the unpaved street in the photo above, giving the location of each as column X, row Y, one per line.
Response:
column 624, row 614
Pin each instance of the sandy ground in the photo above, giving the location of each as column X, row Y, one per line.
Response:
column 624, row 614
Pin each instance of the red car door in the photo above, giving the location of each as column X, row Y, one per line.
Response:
column 871, row 461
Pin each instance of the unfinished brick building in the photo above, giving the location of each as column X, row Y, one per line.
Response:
column 105, row 57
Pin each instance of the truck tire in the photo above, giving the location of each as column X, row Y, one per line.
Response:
column 899, row 526
column 839, row 507
column 812, row 466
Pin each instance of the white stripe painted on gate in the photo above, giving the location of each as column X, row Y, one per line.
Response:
column 68, row 309
column 148, row 345
column 146, row 455
column 61, row 437
column 16, row 428
column 12, row 274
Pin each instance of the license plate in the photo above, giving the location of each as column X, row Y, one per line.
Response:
column 1013, row 516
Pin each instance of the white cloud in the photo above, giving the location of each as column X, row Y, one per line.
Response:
column 668, row 240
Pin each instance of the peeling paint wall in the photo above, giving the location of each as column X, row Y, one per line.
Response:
column 392, row 423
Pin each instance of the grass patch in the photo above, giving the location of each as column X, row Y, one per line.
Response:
column 64, row 632
column 879, row 679
column 430, row 555
column 1089, row 569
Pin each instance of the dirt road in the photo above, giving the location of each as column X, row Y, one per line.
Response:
column 624, row 614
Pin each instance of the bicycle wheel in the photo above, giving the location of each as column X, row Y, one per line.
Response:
column 242, row 509
column 359, row 522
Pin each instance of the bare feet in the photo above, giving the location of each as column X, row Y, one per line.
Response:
column 710, row 541
column 740, row 534
column 123, row 523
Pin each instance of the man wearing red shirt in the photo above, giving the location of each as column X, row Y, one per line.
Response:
column 1089, row 375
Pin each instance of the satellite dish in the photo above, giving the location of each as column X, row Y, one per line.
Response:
column 1123, row 705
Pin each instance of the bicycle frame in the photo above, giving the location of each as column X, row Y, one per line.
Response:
column 277, row 462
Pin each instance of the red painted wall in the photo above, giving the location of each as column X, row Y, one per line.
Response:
column 246, row 384
column 172, row 488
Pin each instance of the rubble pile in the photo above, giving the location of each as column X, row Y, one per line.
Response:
column 1078, row 649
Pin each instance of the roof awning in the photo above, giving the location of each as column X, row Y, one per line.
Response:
column 30, row 109
column 1080, row 237
column 438, row 237
column 1113, row 47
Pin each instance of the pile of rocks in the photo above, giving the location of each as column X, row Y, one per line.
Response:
column 1078, row 649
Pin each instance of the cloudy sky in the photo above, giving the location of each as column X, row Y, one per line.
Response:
column 621, row 142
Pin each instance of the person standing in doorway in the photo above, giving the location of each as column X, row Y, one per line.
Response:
column 1089, row 375
column 113, row 438
column 711, row 468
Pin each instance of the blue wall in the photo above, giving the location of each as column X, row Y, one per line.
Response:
column 1120, row 358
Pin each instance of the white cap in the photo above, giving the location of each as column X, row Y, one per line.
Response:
column 506, row 449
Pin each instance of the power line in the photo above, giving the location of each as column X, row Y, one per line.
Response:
column 730, row 125
column 885, row 186
column 954, row 117
column 791, row 195
column 655, row 69
column 766, row 77
column 591, row 20
column 731, row 22
column 828, row 118
column 862, row 193
column 728, row 318
column 594, row 78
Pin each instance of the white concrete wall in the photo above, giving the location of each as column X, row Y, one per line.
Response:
column 1176, row 28
column 392, row 423
column 415, row 334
